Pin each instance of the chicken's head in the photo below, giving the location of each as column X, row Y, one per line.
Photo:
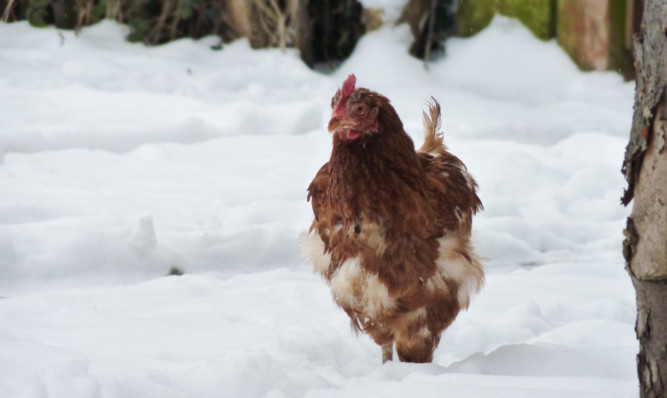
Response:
column 355, row 111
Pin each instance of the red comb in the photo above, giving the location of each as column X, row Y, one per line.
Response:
column 348, row 86
column 346, row 90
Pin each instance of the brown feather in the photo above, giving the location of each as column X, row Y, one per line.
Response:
column 392, row 230
column 433, row 138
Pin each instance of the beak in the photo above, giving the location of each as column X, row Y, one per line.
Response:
column 334, row 124
column 338, row 123
column 344, row 127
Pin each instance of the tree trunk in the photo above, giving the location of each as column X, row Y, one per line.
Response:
column 645, row 168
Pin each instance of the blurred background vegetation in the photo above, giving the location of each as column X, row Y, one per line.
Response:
column 596, row 33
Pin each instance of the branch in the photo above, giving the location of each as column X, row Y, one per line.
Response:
column 154, row 36
column 430, row 33
column 8, row 9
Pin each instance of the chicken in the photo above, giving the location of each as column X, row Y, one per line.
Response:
column 392, row 226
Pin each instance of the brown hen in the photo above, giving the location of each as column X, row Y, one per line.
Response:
column 392, row 226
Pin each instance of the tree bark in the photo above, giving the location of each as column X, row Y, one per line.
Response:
column 645, row 168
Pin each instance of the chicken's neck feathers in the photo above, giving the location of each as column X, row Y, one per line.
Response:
column 375, row 174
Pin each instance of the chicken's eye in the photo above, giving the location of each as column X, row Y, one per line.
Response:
column 359, row 109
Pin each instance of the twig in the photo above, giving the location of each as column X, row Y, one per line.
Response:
column 8, row 9
column 275, row 22
column 430, row 33
column 281, row 21
column 154, row 36
column 84, row 14
column 114, row 10
column 173, row 30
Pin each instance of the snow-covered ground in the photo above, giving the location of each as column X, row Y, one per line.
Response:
column 118, row 162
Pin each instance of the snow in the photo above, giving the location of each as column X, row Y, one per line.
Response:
column 391, row 9
column 119, row 162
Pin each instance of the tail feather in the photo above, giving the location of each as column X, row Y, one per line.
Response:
column 433, row 139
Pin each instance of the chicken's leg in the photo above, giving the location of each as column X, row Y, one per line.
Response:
column 387, row 352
